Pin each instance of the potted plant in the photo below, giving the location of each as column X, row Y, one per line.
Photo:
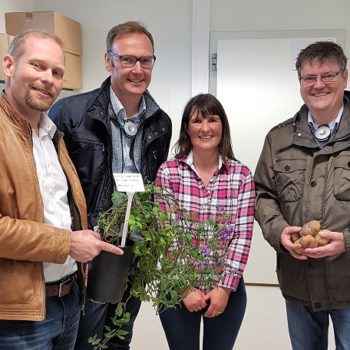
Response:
column 166, row 262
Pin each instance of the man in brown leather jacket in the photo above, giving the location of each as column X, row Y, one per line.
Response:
column 43, row 221
column 303, row 174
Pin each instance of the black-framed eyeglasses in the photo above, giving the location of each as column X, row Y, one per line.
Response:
column 328, row 77
column 129, row 61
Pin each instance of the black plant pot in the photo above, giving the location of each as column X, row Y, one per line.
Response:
column 108, row 274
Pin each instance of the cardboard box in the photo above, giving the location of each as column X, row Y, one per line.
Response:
column 72, row 76
column 4, row 44
column 64, row 27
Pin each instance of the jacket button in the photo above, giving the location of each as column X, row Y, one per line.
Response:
column 317, row 305
column 313, row 183
column 287, row 168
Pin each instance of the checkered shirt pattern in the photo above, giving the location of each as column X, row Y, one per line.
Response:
column 231, row 191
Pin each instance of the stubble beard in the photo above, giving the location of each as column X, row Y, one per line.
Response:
column 38, row 104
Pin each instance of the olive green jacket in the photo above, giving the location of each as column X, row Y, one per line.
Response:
column 296, row 181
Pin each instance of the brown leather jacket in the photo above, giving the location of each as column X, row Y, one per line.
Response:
column 25, row 241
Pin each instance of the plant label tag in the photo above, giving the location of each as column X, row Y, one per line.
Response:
column 129, row 182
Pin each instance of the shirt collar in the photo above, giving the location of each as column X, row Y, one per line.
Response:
column 118, row 107
column 331, row 124
column 47, row 125
column 189, row 161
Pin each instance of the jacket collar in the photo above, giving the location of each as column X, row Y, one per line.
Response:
column 103, row 98
column 14, row 117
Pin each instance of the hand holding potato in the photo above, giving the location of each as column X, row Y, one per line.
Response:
column 335, row 245
column 286, row 241
column 308, row 237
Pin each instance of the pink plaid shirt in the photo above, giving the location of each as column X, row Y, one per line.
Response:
column 231, row 191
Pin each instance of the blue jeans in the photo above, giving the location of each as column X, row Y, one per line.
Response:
column 182, row 328
column 58, row 331
column 97, row 315
column 308, row 329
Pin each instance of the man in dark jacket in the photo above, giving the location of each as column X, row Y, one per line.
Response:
column 302, row 175
column 116, row 128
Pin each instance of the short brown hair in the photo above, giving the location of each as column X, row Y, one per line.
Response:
column 205, row 104
column 127, row 28
column 322, row 51
column 16, row 47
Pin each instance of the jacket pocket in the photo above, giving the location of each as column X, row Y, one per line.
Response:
column 89, row 158
column 289, row 179
column 20, row 283
column 342, row 178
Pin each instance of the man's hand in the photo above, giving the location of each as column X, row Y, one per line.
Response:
column 288, row 244
column 87, row 244
column 334, row 247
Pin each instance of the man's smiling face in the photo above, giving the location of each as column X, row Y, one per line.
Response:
column 130, row 82
column 323, row 98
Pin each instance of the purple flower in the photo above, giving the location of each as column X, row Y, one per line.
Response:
column 206, row 251
column 226, row 234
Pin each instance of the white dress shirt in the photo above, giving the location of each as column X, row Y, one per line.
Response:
column 53, row 188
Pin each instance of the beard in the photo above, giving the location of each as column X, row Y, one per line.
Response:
column 38, row 104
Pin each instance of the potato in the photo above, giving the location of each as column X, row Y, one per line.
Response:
column 308, row 241
column 295, row 236
column 298, row 250
column 310, row 228
column 321, row 241
column 308, row 237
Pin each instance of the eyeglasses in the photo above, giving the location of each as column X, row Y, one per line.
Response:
column 128, row 61
column 325, row 78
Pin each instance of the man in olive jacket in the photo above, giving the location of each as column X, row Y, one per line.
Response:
column 43, row 221
column 303, row 174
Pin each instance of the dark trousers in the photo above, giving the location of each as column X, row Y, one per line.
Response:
column 182, row 328
column 97, row 315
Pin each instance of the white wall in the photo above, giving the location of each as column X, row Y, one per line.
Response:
column 255, row 15
column 251, row 17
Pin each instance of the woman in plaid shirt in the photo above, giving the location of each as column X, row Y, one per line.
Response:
column 208, row 182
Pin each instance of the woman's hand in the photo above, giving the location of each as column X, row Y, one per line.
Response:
column 217, row 298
